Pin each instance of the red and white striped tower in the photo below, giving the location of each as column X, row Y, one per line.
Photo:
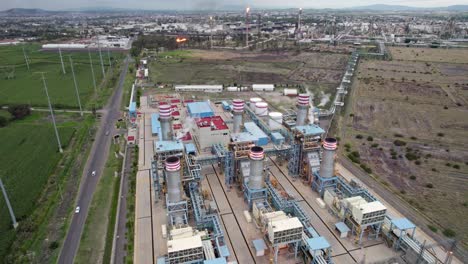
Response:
column 165, row 115
column 238, row 111
column 327, row 167
column 302, row 109
column 256, row 180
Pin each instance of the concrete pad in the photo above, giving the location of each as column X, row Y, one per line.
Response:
column 343, row 259
column 143, row 195
column 159, row 219
column 143, row 241
column 377, row 253
column 234, row 234
column 218, row 194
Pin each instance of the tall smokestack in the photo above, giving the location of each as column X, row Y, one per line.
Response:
column 327, row 166
column 302, row 109
column 257, row 157
column 238, row 109
column 247, row 10
column 173, row 180
column 165, row 119
column 298, row 33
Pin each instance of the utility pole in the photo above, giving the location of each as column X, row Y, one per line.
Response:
column 211, row 32
column 61, row 60
column 247, row 10
column 108, row 55
column 76, row 86
column 25, row 58
column 92, row 70
column 10, row 209
column 100, row 56
column 52, row 114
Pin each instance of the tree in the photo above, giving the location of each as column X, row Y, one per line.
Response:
column 3, row 121
column 19, row 111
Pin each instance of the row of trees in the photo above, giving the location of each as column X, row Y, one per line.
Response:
column 17, row 112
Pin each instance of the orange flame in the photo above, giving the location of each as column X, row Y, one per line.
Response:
column 181, row 40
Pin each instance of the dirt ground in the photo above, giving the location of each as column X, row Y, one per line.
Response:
column 419, row 98
column 233, row 67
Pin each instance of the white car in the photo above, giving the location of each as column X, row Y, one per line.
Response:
column 77, row 210
column 93, row 173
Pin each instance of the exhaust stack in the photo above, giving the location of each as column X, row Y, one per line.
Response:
column 165, row 119
column 327, row 166
column 302, row 109
column 238, row 109
column 173, row 180
column 257, row 156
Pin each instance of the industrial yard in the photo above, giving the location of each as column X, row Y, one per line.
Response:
column 240, row 182
column 407, row 123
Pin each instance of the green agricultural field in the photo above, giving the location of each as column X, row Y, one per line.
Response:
column 28, row 155
column 20, row 85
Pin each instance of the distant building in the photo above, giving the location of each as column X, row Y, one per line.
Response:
column 263, row 87
column 199, row 88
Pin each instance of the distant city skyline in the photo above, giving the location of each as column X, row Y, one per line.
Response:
column 214, row 4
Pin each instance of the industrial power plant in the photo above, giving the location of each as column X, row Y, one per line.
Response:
column 236, row 181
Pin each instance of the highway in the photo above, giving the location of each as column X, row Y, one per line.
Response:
column 96, row 162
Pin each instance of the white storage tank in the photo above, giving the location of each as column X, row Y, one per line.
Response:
column 253, row 101
column 275, row 120
column 261, row 109
column 232, row 89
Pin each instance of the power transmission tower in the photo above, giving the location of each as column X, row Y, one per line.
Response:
column 26, row 58
column 92, row 70
column 76, row 86
column 61, row 60
column 211, row 32
column 52, row 113
column 100, row 56
column 10, row 209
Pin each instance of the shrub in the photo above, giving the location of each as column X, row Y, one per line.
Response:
column 370, row 138
column 412, row 177
column 355, row 154
column 3, row 121
column 417, row 162
column 430, row 185
column 411, row 156
column 53, row 245
column 449, row 232
column 414, row 138
column 434, row 169
column 440, row 134
column 399, row 143
column 359, row 136
column 374, row 145
column 19, row 111
column 353, row 158
column 456, row 166
column 347, row 145
column 448, row 164
column 398, row 135
column 366, row 169
column 432, row 228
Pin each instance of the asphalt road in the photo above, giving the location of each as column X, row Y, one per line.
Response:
column 96, row 162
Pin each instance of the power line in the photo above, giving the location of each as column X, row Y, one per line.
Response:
column 61, row 60
column 92, row 70
column 52, row 113
column 10, row 209
column 26, row 58
column 76, row 86
column 100, row 56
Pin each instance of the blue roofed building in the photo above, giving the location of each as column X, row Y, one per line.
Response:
column 132, row 109
column 310, row 130
column 155, row 124
column 252, row 133
column 200, row 109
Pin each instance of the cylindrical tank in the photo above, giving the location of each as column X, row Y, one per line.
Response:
column 253, row 101
column 302, row 109
column 327, row 165
column 173, row 181
column 257, row 156
column 165, row 115
column 275, row 120
column 238, row 110
column 261, row 109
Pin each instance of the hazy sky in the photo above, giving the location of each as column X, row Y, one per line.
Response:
column 213, row 4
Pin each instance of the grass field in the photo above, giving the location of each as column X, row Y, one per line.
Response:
column 26, row 86
column 407, row 119
column 28, row 155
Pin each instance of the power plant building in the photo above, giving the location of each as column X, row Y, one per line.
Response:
column 210, row 131
column 199, row 88
column 200, row 109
